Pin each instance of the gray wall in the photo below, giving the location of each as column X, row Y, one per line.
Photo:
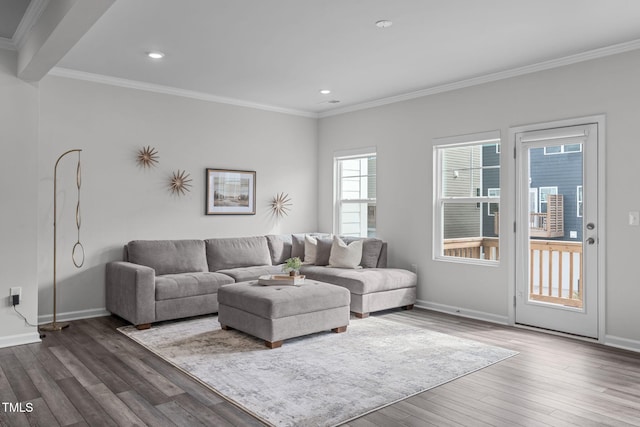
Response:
column 403, row 133
column 121, row 201
column 18, row 187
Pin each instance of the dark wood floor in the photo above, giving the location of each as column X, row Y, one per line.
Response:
column 91, row 375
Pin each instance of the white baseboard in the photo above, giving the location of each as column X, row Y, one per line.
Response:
column 20, row 339
column 463, row 312
column 623, row 343
column 73, row 315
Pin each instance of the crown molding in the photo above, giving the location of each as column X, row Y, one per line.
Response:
column 34, row 10
column 7, row 44
column 168, row 90
column 488, row 78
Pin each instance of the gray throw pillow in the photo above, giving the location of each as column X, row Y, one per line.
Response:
column 324, row 251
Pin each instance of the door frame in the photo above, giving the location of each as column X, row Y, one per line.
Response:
column 511, row 207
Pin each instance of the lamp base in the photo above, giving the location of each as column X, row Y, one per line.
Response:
column 54, row 326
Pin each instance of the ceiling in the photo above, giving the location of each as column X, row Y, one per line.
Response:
column 11, row 13
column 278, row 54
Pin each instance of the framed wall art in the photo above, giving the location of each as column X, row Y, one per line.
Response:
column 230, row 192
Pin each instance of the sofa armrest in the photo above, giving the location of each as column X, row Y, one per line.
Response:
column 130, row 292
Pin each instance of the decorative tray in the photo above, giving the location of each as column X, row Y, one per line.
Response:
column 279, row 280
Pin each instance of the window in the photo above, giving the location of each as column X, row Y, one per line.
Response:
column 544, row 192
column 579, row 201
column 467, row 198
column 493, row 208
column 561, row 149
column 355, row 190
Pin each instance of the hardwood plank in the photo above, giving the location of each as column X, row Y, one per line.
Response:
column 178, row 415
column 79, row 371
column 41, row 414
column 15, row 374
column 59, row 404
column 147, row 412
column 205, row 414
column 113, row 406
column 91, row 410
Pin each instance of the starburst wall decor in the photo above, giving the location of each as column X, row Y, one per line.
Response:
column 180, row 183
column 280, row 205
column 147, row 157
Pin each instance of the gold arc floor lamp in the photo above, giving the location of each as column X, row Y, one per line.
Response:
column 78, row 249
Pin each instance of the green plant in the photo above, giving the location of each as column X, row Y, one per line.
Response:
column 292, row 264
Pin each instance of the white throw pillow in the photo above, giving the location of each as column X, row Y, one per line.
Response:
column 310, row 249
column 345, row 256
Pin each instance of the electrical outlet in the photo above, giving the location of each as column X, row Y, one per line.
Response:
column 15, row 295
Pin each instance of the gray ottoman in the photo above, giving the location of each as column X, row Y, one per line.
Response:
column 276, row 313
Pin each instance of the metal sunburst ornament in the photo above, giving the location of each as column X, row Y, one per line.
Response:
column 280, row 204
column 147, row 157
column 180, row 182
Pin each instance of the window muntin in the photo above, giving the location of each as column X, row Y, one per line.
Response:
column 356, row 195
column 467, row 198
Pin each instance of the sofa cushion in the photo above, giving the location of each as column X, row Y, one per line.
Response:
column 345, row 256
column 323, row 251
column 362, row 281
column 297, row 243
column 172, row 286
column 371, row 249
column 242, row 274
column 279, row 247
column 169, row 256
column 223, row 254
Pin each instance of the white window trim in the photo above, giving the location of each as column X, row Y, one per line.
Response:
column 439, row 201
column 489, row 190
column 337, row 190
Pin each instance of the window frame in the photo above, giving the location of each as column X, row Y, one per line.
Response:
column 439, row 200
column 563, row 150
column 338, row 202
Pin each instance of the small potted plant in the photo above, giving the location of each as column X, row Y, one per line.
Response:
column 292, row 266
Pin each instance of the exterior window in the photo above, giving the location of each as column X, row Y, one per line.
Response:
column 355, row 191
column 544, row 192
column 579, row 201
column 493, row 208
column 467, row 198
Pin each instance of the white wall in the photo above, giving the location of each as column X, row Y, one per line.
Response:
column 18, row 187
column 122, row 202
column 403, row 133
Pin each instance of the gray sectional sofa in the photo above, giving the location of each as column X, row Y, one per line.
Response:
column 171, row 279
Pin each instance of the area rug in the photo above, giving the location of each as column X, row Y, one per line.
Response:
column 323, row 379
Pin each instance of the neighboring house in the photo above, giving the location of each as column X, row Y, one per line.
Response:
column 558, row 170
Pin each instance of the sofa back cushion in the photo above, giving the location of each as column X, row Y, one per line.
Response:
column 169, row 256
column 237, row 252
column 279, row 247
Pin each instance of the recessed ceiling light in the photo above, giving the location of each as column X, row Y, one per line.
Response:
column 384, row 23
column 325, row 91
column 155, row 55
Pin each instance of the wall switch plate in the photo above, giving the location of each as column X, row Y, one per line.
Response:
column 634, row 218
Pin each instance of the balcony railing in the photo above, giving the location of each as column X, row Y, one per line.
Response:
column 554, row 266
column 473, row 247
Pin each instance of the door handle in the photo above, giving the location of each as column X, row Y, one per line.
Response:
column 591, row 241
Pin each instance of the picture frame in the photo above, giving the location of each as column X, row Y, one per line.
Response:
column 230, row 192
